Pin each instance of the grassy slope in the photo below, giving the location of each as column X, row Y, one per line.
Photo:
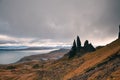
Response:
column 62, row 69
column 95, row 58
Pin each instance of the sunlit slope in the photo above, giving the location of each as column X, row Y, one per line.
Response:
column 95, row 58
column 102, row 64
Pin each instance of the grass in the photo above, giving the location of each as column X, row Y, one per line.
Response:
column 11, row 67
column 36, row 66
column 64, row 68
column 95, row 58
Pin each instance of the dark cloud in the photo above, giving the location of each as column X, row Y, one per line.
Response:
column 60, row 20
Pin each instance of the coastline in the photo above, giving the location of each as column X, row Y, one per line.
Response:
column 53, row 55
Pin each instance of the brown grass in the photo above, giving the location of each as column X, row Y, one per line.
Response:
column 62, row 69
column 95, row 58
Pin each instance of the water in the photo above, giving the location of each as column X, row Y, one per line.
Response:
column 7, row 57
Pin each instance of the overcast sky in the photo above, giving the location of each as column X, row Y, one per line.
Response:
column 58, row 21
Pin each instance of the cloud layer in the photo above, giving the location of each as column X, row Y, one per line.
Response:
column 60, row 20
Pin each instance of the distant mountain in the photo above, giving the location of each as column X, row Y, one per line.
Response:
column 13, row 47
column 18, row 48
column 102, row 64
column 53, row 55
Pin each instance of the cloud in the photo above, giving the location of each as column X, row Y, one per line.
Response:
column 14, row 41
column 60, row 20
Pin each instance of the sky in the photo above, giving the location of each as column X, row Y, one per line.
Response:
column 58, row 22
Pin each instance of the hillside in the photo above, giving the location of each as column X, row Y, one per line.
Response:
column 96, row 58
column 102, row 64
column 53, row 55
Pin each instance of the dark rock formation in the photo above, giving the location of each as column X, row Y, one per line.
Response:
column 78, row 44
column 119, row 33
column 88, row 47
column 78, row 50
column 72, row 52
column 86, row 43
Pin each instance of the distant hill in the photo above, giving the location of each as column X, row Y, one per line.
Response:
column 53, row 55
column 102, row 64
column 21, row 48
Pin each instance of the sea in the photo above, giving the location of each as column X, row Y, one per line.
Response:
column 8, row 57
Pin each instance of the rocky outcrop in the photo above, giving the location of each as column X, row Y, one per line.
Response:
column 78, row 43
column 119, row 33
column 88, row 47
column 72, row 52
column 79, row 50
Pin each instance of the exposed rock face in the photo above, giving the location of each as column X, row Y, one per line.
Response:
column 86, row 43
column 119, row 36
column 72, row 52
column 79, row 50
column 88, row 47
column 119, row 33
column 78, row 44
column 103, row 64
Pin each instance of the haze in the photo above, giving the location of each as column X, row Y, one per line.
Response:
column 58, row 22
